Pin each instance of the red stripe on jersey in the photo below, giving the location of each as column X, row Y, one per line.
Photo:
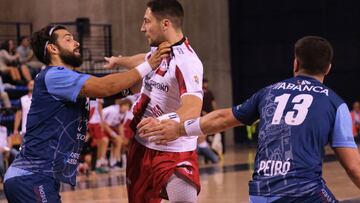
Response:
column 92, row 110
column 181, row 81
column 139, row 110
column 187, row 44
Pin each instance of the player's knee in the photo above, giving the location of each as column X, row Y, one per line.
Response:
column 180, row 191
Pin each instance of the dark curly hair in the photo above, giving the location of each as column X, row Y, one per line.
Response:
column 42, row 37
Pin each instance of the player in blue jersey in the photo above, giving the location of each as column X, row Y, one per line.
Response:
column 298, row 117
column 58, row 116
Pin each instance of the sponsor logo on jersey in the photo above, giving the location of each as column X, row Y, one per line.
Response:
column 273, row 167
column 149, row 84
column 301, row 87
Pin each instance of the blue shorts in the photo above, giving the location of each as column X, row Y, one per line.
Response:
column 35, row 188
column 323, row 196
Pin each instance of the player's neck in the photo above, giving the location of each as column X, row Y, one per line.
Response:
column 317, row 77
column 175, row 37
column 58, row 62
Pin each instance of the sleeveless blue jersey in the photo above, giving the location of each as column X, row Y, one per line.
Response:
column 56, row 126
column 298, row 117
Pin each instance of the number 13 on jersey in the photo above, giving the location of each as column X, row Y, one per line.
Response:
column 301, row 102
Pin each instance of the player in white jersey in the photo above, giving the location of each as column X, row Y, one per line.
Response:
column 112, row 118
column 172, row 91
column 96, row 131
column 21, row 114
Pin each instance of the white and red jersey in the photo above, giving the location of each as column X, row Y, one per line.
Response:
column 25, row 107
column 112, row 115
column 180, row 74
column 94, row 111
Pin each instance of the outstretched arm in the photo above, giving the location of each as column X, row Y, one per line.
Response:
column 211, row 123
column 128, row 62
column 114, row 83
column 350, row 160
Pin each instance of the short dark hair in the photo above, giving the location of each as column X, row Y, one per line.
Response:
column 314, row 54
column 23, row 37
column 39, row 40
column 170, row 9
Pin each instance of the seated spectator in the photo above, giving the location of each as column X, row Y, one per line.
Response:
column 26, row 56
column 4, row 96
column 204, row 149
column 112, row 127
column 96, row 132
column 9, row 63
column 125, row 130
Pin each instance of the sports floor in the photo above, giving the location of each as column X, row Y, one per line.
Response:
column 221, row 183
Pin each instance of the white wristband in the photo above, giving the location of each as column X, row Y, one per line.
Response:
column 113, row 134
column 144, row 69
column 172, row 116
column 192, row 127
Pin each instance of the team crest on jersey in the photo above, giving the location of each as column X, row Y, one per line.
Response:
column 303, row 82
column 196, row 79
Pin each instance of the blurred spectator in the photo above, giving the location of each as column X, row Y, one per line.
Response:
column 96, row 131
column 9, row 63
column 112, row 127
column 204, row 149
column 4, row 96
column 355, row 115
column 6, row 149
column 125, row 129
column 21, row 114
column 209, row 105
column 27, row 56
column 87, row 156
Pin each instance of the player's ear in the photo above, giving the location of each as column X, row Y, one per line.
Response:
column 165, row 23
column 328, row 69
column 52, row 48
column 296, row 65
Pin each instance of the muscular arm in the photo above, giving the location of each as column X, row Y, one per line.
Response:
column 350, row 160
column 114, row 83
column 190, row 107
column 216, row 121
column 99, row 87
column 169, row 130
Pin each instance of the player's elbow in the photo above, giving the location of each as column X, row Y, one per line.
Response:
column 353, row 169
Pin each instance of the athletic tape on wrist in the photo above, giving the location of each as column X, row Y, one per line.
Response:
column 172, row 116
column 144, row 69
column 192, row 127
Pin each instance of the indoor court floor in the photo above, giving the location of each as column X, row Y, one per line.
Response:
column 225, row 182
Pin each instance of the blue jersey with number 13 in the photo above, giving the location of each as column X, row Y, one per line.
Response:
column 298, row 117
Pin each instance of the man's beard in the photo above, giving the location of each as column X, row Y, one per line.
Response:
column 70, row 58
